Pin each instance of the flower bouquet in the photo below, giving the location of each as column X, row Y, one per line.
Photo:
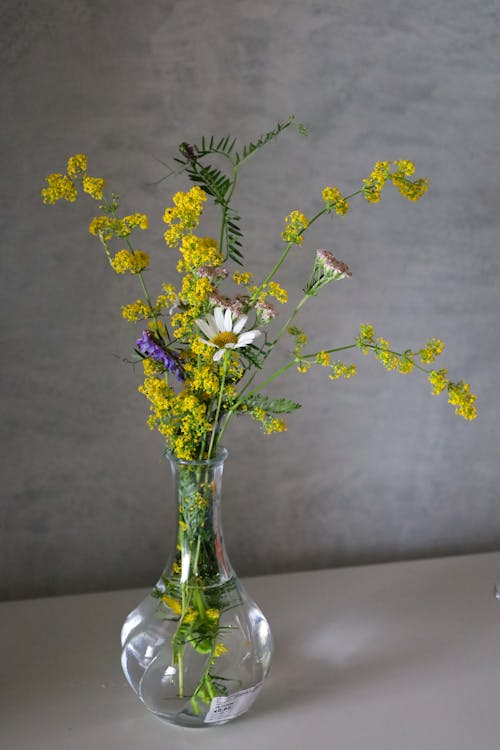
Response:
column 197, row 649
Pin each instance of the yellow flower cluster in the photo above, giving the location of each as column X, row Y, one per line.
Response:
column 184, row 215
column 271, row 289
column 151, row 367
column 300, row 341
column 341, row 370
column 172, row 604
column 60, row 187
column 388, row 359
column 366, row 336
column 195, row 292
column 106, row 227
column 203, row 378
column 403, row 169
column 269, row 424
column 180, row 417
column 277, row 292
column 323, row 359
column 431, row 350
column 392, row 361
column 335, row 200
column 243, row 279
column 337, row 369
column 167, row 298
column 63, row 187
column 459, row 394
column 77, row 164
column 220, row 649
column 134, row 261
column 197, row 252
column 138, row 310
column 380, row 347
column 94, row 186
column 295, row 224
column 303, row 366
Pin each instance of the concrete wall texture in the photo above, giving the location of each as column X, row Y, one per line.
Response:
column 371, row 469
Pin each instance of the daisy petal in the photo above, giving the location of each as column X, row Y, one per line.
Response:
column 219, row 319
column 246, row 338
column 228, row 321
column 218, row 354
column 205, row 328
column 240, row 323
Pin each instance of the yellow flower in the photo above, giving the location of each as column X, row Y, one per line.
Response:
column 373, row 186
column 184, row 215
column 389, row 360
column 276, row 291
column 323, row 359
column 244, row 278
column 151, row 367
column 101, row 226
column 213, row 614
column 138, row 310
column 295, row 224
column 220, row 649
column 60, row 187
column 93, row 186
column 172, row 603
column 439, row 381
column 167, row 298
column 405, row 166
column 341, row 370
column 133, row 261
column 76, row 165
column 197, row 252
column 459, row 395
column 335, row 200
column 431, row 350
column 366, row 336
column 303, row 366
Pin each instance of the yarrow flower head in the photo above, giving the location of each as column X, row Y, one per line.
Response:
column 329, row 263
column 223, row 333
column 150, row 347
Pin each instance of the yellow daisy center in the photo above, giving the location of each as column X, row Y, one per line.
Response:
column 223, row 338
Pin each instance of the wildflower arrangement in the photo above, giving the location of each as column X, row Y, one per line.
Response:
column 205, row 339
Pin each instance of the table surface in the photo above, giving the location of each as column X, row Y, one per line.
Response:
column 401, row 656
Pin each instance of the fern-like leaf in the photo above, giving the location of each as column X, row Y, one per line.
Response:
column 270, row 405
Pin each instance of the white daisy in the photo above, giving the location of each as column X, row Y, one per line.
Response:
column 222, row 333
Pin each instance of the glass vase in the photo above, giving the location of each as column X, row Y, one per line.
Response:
column 197, row 649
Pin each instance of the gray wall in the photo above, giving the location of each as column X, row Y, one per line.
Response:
column 371, row 469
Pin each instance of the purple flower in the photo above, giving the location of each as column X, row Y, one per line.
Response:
column 148, row 346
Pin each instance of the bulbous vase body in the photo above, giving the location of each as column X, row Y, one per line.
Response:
column 197, row 649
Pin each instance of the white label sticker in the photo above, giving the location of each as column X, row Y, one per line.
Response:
column 229, row 706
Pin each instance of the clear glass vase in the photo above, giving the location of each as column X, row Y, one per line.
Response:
column 197, row 649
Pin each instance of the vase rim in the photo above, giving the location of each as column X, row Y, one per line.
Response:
column 220, row 456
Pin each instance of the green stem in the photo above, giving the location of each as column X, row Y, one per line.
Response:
column 180, row 667
column 283, row 256
column 148, row 298
column 226, row 356
column 289, row 321
column 255, row 390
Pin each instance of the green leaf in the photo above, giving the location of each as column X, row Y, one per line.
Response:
column 271, row 405
column 250, row 148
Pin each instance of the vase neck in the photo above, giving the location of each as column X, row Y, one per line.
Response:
column 200, row 551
